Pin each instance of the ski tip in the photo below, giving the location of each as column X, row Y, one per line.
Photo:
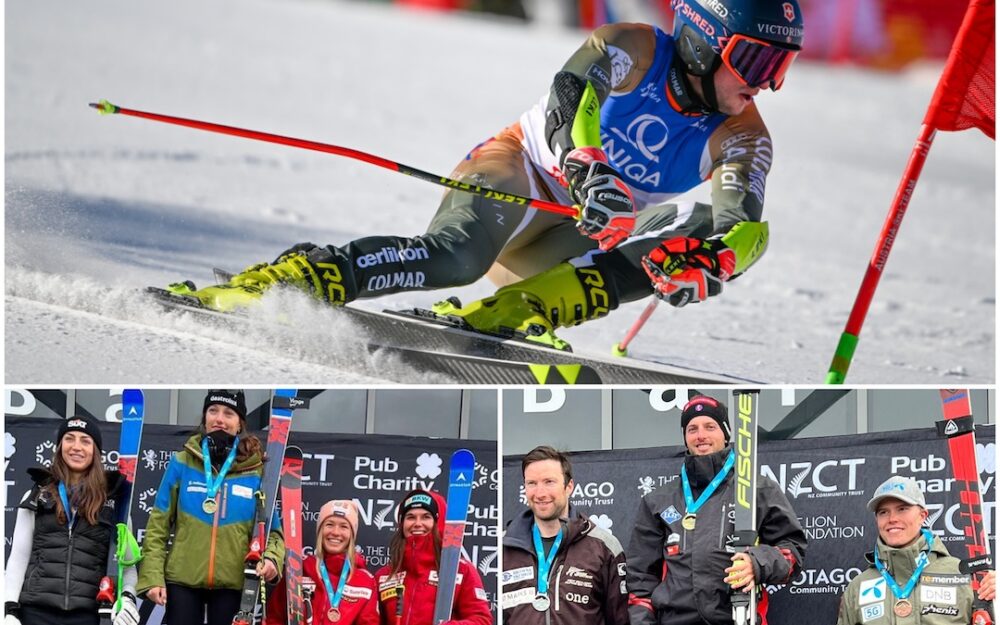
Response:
column 104, row 107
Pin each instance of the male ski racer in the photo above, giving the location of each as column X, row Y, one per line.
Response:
column 681, row 563
column 911, row 577
column 634, row 118
column 559, row 568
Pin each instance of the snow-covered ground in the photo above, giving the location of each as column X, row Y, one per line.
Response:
column 99, row 206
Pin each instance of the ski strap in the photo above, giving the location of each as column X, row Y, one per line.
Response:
column 126, row 542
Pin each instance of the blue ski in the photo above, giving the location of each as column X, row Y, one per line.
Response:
column 460, row 476
column 109, row 590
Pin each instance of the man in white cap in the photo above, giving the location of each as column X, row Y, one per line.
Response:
column 911, row 577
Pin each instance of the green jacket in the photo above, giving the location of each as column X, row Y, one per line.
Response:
column 941, row 596
column 207, row 549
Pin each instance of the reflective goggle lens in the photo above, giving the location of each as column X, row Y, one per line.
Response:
column 757, row 63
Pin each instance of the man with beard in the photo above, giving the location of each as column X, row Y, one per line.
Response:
column 559, row 568
column 681, row 562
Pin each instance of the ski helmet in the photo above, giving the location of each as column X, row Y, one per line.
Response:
column 756, row 39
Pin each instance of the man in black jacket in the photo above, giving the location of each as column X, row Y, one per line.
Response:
column 681, row 562
column 559, row 568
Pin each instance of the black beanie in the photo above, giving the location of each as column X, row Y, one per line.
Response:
column 82, row 423
column 419, row 499
column 232, row 398
column 705, row 406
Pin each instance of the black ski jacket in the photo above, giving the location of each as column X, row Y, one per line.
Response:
column 586, row 581
column 676, row 576
column 66, row 563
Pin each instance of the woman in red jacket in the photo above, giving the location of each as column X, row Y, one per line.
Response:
column 344, row 591
column 412, row 572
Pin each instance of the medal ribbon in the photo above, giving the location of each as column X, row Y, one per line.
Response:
column 210, row 486
column 921, row 562
column 334, row 598
column 544, row 564
column 692, row 505
column 70, row 511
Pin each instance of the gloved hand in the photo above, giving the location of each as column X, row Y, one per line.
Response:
column 685, row 270
column 129, row 613
column 607, row 211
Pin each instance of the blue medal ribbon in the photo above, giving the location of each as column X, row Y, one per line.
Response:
column 921, row 562
column 70, row 511
column 692, row 505
column 333, row 597
column 213, row 487
column 544, row 564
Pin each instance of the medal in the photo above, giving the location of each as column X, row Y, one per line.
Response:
column 210, row 504
column 693, row 506
column 333, row 614
column 541, row 600
column 903, row 608
column 540, row 603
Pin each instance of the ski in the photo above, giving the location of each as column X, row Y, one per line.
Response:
column 109, row 591
column 461, row 472
column 442, row 345
column 283, row 405
column 959, row 428
column 745, row 497
column 291, row 523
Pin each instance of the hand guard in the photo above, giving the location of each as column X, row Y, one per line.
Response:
column 129, row 613
column 607, row 211
column 686, row 270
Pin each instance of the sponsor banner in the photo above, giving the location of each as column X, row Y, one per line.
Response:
column 373, row 470
column 828, row 481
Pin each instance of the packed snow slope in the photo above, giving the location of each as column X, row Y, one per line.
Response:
column 97, row 207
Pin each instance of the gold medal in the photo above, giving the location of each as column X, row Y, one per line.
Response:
column 903, row 608
column 333, row 615
column 689, row 521
column 210, row 505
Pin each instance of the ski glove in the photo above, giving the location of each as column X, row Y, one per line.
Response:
column 129, row 613
column 686, row 270
column 607, row 211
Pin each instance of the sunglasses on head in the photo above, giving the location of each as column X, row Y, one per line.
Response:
column 756, row 62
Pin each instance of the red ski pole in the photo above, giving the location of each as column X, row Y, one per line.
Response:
column 107, row 108
column 621, row 349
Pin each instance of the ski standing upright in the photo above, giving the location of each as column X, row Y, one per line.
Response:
column 291, row 523
column 460, row 475
column 283, row 405
column 745, row 498
column 959, row 428
column 123, row 544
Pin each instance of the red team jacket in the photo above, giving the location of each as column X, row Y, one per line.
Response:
column 358, row 605
column 419, row 579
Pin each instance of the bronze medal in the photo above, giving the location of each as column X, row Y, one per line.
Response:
column 540, row 603
column 210, row 505
column 689, row 521
column 333, row 614
column 903, row 608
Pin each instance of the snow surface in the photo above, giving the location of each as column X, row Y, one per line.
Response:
column 98, row 206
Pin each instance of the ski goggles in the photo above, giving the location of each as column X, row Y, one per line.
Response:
column 756, row 62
